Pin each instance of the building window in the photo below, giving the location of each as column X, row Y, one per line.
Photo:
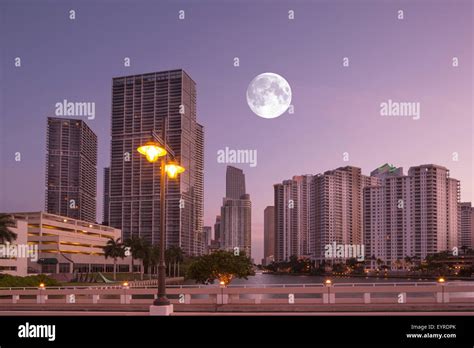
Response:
column 8, row 268
column 64, row 268
column 123, row 268
column 81, row 267
column 48, row 268
column 97, row 268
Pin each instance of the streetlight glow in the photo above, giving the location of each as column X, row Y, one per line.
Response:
column 173, row 169
column 152, row 151
column 441, row 280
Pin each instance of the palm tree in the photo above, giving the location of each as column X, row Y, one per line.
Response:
column 133, row 244
column 149, row 259
column 114, row 249
column 141, row 251
column 138, row 247
column 153, row 258
column 6, row 235
column 174, row 255
column 179, row 258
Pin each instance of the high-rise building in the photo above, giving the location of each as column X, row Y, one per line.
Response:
column 453, row 198
column 198, row 199
column 390, row 215
column 412, row 215
column 71, row 169
column 388, row 234
column 215, row 243
column 292, row 217
column 207, row 238
column 435, row 209
column 217, row 229
column 472, row 228
column 286, row 220
column 234, row 183
column 305, row 239
column 336, row 197
column 140, row 105
column 105, row 207
column 235, row 226
column 467, row 225
column 268, row 235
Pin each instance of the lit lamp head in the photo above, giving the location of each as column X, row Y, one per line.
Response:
column 42, row 286
column 152, row 151
column 441, row 280
column 173, row 169
column 328, row 282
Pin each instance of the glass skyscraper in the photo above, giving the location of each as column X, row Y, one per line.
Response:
column 236, row 213
column 71, row 169
column 140, row 103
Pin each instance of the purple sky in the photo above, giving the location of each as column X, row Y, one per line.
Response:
column 336, row 108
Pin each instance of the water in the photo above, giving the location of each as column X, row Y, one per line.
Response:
column 266, row 279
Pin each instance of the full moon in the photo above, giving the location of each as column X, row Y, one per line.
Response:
column 269, row 95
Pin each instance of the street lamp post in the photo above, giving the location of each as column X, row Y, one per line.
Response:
column 153, row 151
column 328, row 284
column 161, row 299
column 442, row 281
column 222, row 286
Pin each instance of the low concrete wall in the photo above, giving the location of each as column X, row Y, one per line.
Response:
column 396, row 293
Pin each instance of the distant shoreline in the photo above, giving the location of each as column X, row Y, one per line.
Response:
column 414, row 278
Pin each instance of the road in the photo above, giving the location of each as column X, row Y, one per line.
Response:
column 81, row 313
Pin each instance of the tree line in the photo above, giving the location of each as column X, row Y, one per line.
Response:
column 147, row 255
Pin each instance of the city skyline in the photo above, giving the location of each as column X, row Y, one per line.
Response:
column 235, row 187
column 387, row 217
column 336, row 108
